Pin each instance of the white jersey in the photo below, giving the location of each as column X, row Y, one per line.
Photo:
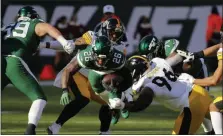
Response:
column 169, row 90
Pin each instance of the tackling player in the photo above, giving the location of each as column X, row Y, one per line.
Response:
column 151, row 47
column 157, row 81
column 216, row 108
column 100, row 59
column 21, row 40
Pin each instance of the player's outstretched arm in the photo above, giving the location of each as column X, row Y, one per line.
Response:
column 42, row 29
column 211, row 51
column 144, row 100
column 212, row 80
column 55, row 45
column 69, row 70
column 216, row 77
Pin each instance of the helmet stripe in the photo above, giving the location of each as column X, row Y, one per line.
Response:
column 140, row 57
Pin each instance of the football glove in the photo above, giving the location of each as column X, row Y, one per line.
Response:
column 69, row 47
column 184, row 77
column 116, row 103
column 188, row 55
column 65, row 98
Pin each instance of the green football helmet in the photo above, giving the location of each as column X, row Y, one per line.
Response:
column 26, row 13
column 151, row 47
column 102, row 50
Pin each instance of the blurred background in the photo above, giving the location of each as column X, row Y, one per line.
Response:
column 192, row 22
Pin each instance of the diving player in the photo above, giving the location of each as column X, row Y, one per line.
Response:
column 157, row 81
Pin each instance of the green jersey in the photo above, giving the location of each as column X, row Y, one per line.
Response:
column 20, row 39
column 116, row 61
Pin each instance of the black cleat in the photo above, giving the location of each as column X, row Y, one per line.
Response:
column 211, row 132
column 30, row 129
column 49, row 132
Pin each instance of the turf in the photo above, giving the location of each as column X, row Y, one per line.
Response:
column 15, row 106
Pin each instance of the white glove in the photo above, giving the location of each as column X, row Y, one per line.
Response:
column 116, row 103
column 184, row 77
column 69, row 47
column 188, row 55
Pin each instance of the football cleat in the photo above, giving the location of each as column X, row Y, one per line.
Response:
column 115, row 117
column 53, row 129
column 125, row 114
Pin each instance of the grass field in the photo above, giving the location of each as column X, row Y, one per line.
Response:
column 15, row 106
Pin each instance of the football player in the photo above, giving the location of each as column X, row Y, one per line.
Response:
column 157, row 81
column 21, row 40
column 216, row 108
column 151, row 47
column 114, row 30
column 100, row 59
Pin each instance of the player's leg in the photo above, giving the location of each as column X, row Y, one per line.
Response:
column 216, row 109
column 22, row 78
column 104, row 113
column 199, row 101
column 81, row 98
column 203, row 73
column 4, row 79
column 105, row 119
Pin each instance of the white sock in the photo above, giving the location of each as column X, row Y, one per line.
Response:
column 35, row 111
column 105, row 133
column 207, row 126
column 216, row 119
column 55, row 128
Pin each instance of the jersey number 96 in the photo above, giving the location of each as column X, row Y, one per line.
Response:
column 161, row 81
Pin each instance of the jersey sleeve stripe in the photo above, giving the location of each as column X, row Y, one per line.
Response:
column 219, row 54
column 87, row 38
column 79, row 61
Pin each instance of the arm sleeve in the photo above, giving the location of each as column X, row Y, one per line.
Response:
column 55, row 45
column 172, row 61
column 144, row 100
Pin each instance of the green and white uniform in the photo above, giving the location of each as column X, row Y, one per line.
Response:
column 198, row 67
column 20, row 43
column 96, row 74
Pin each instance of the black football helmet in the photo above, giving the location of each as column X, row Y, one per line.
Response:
column 137, row 65
column 113, row 29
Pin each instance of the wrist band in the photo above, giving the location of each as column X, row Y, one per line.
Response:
column 65, row 89
column 199, row 54
column 47, row 44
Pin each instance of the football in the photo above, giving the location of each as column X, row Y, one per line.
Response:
column 115, row 78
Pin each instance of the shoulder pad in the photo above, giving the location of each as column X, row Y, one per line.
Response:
column 170, row 46
column 88, row 37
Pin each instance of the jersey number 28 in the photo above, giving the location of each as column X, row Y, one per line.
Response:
column 161, row 81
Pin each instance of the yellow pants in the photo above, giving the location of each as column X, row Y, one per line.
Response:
column 219, row 103
column 199, row 101
column 85, row 88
